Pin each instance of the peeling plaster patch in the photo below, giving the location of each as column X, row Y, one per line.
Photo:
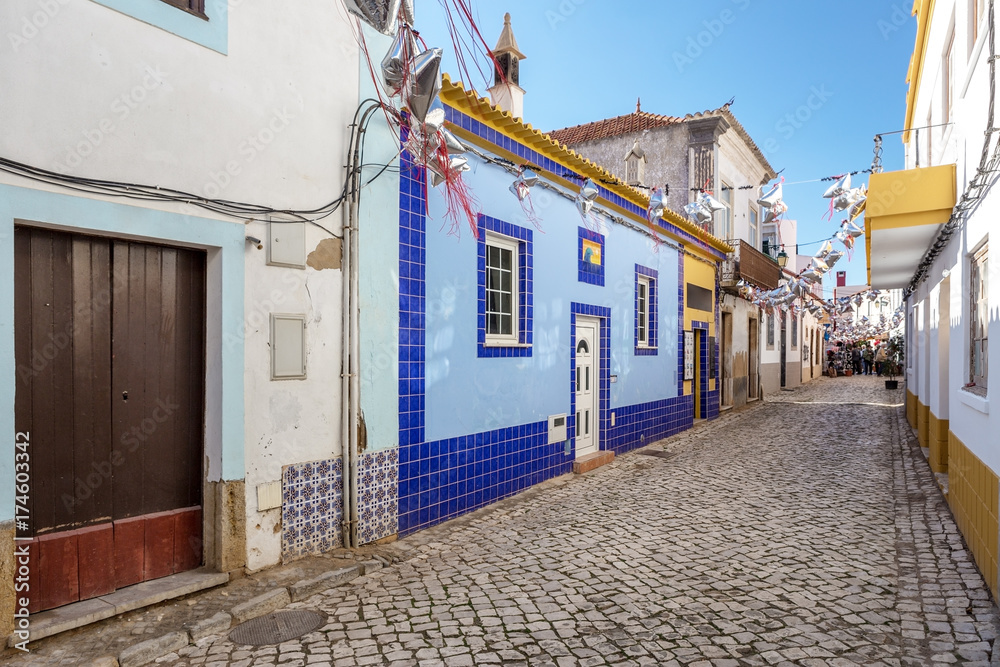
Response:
column 327, row 255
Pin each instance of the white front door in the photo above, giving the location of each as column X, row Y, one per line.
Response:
column 587, row 382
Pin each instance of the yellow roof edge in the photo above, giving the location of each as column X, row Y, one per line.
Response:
column 924, row 10
column 454, row 93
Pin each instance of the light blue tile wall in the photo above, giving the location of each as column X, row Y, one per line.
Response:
column 467, row 394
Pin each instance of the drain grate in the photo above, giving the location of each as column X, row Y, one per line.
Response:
column 276, row 628
column 659, row 453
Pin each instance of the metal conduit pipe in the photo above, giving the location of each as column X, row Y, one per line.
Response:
column 351, row 345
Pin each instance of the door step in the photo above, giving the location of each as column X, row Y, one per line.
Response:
column 78, row 614
column 592, row 461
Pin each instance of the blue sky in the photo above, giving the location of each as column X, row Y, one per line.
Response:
column 813, row 81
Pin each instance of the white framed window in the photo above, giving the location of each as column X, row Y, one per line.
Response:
column 979, row 318
column 727, row 215
column 754, row 227
column 947, row 79
column 502, row 294
column 642, row 309
column 975, row 16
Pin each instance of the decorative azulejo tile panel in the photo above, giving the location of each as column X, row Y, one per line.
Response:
column 311, row 508
column 378, row 495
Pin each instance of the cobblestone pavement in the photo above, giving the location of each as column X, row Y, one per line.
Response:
column 807, row 530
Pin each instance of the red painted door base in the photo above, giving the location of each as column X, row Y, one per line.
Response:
column 81, row 564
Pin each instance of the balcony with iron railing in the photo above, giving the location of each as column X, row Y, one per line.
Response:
column 750, row 265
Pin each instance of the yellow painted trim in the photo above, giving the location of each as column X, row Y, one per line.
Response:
column 923, row 10
column 938, row 443
column 455, row 95
column 972, row 495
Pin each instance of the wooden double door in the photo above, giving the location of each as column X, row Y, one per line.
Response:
column 110, row 364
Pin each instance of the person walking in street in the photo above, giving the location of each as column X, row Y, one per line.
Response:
column 856, row 359
column 868, row 357
column 880, row 357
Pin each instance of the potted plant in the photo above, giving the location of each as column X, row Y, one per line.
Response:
column 893, row 364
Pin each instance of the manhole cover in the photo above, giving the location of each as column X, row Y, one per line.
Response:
column 660, row 453
column 277, row 627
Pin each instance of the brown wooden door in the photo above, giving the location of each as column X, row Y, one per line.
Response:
column 109, row 348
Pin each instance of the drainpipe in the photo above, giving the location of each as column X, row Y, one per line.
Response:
column 351, row 345
column 345, row 378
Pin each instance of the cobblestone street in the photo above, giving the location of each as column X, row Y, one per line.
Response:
column 808, row 530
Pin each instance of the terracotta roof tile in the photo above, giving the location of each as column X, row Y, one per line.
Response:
column 640, row 121
column 612, row 127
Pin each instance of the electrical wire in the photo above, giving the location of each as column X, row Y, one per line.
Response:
column 240, row 210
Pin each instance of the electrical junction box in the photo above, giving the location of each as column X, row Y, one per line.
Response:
column 557, row 428
column 286, row 244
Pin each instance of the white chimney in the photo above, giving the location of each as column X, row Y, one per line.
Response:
column 506, row 94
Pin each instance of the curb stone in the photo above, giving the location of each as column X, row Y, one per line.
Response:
column 370, row 566
column 260, row 605
column 210, row 626
column 151, row 649
column 145, row 652
column 309, row 587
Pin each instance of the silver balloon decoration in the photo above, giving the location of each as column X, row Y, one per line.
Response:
column 406, row 7
column 453, row 144
column 521, row 187
column 775, row 212
column 772, row 197
column 849, row 199
column 697, row 212
column 397, row 63
column 812, row 275
column 840, row 187
column 833, row 257
column 657, row 205
column 586, row 197
column 710, row 202
column 379, row 14
column 456, row 165
column 426, row 83
column 853, row 229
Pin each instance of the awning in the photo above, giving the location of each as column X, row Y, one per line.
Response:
column 904, row 211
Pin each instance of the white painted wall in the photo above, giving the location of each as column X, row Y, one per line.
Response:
column 98, row 93
column 974, row 420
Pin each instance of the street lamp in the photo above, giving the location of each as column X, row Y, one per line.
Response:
column 782, row 258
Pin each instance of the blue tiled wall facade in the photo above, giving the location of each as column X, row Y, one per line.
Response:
column 445, row 478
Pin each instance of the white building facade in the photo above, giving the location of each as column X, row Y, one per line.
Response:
column 173, row 331
column 929, row 232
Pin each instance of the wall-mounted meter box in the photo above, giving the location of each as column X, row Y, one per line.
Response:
column 557, row 428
